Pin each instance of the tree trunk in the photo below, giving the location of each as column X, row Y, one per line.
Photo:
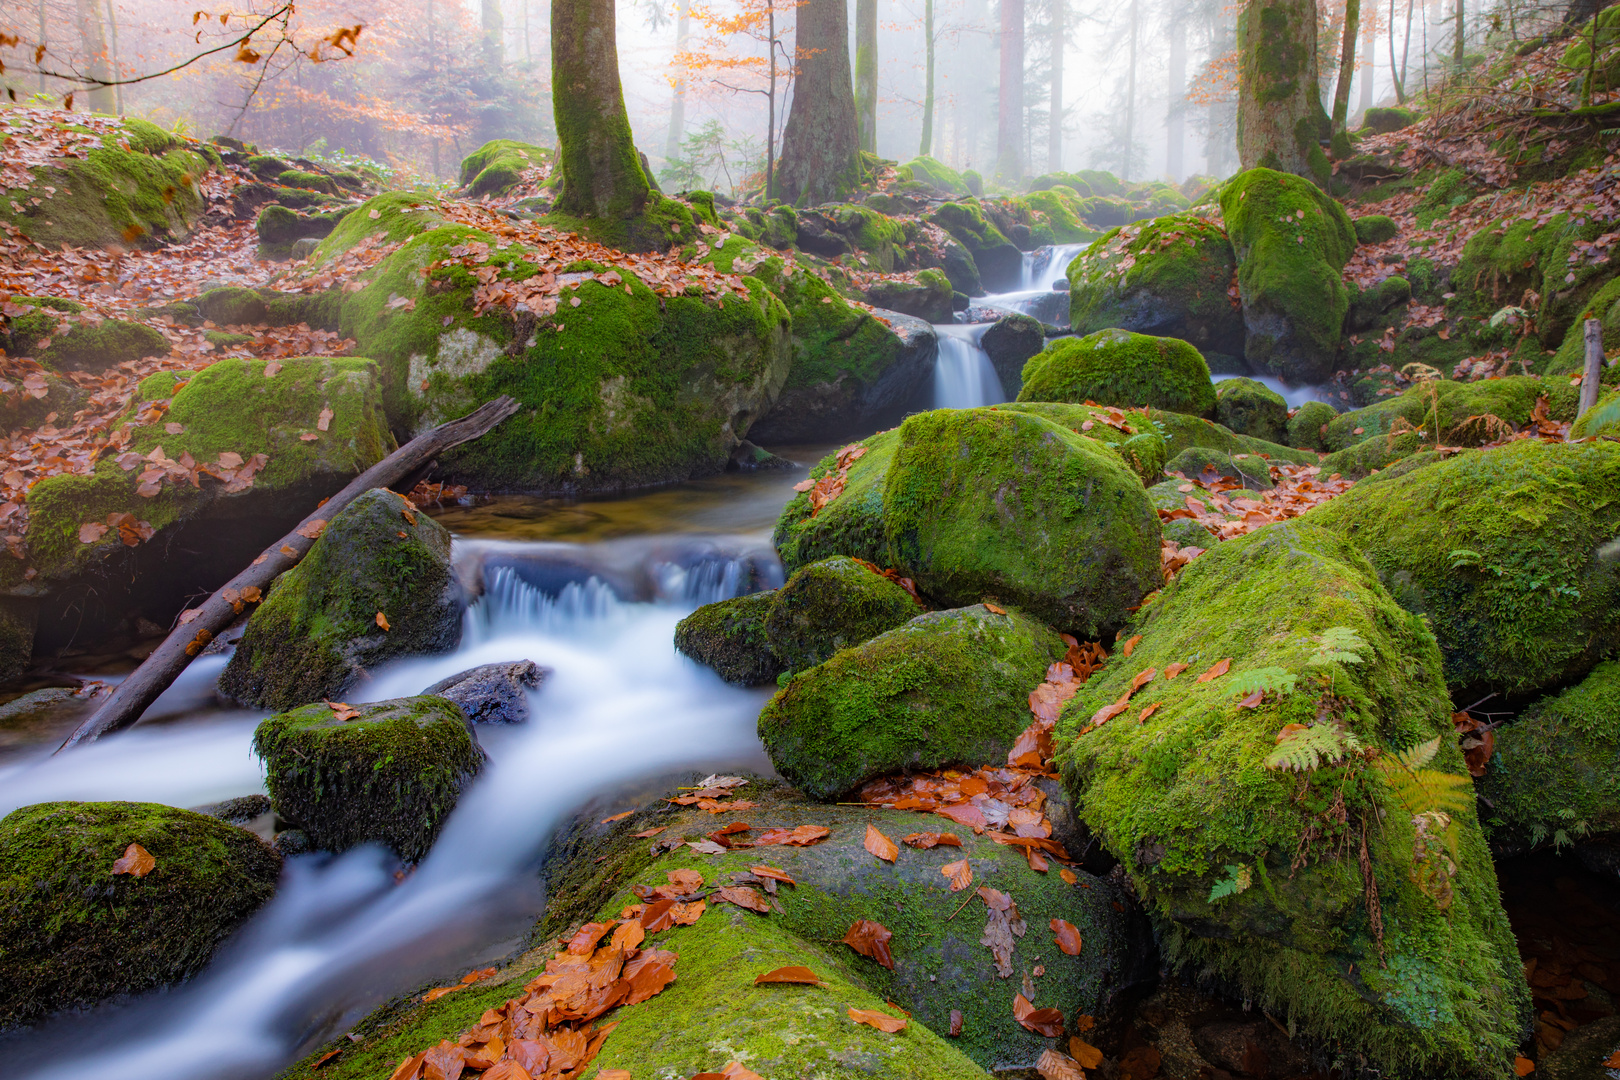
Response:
column 1130, row 96
column 866, row 69
column 93, row 39
column 927, row 147
column 770, row 108
column 677, row 107
column 1347, row 63
column 820, row 143
column 1460, row 40
column 112, row 29
column 1010, row 99
column 1369, row 64
column 602, row 174
column 1280, row 117
column 1054, row 131
column 493, row 29
column 1175, row 122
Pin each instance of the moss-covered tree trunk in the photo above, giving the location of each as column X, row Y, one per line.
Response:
column 1010, row 97
column 1280, row 117
column 1347, row 64
column 602, row 174
column 866, row 72
column 820, row 147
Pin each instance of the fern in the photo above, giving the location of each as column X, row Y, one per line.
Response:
column 1420, row 789
column 1310, row 748
column 1237, row 879
column 1338, row 645
column 1267, row 680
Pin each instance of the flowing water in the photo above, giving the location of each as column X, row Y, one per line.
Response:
column 1295, row 396
column 590, row 590
column 963, row 375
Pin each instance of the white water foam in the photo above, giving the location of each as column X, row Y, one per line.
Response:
column 964, row 378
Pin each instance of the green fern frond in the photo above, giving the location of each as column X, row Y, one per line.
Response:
column 1304, row 751
column 1338, row 645
column 1415, row 757
column 1601, row 419
column 1419, row 789
column 1237, row 879
column 1267, row 680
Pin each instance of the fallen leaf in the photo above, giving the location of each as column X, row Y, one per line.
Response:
column 802, row 836
column 619, row 817
column 322, row 423
column 687, row 914
column 659, row 915
column 1172, row 670
column 880, row 845
column 312, row 529
column 796, row 975
column 584, row 942
column 1087, row 1055
column 173, row 428
column 1141, row 717
column 1253, row 701
column 871, row 939
column 136, row 862
column 1055, row 1066
column 1523, row 1066
column 271, row 368
column 1067, row 875
column 958, row 873
column 1067, row 936
column 91, row 531
column 925, row 840
column 774, row 873
column 1142, row 679
column 382, row 620
column 645, row 833
column 744, row 896
column 1219, row 668
column 1048, row 1022
column 994, row 609
column 374, row 213
column 1130, row 645
column 955, row 1030
column 879, row 1020
column 708, row 847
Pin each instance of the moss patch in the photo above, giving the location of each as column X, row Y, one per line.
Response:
column 1251, row 408
column 729, row 636
column 831, row 605
column 498, row 166
column 1117, row 367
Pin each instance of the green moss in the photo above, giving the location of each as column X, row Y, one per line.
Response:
column 400, row 215
column 990, row 503
column 1448, row 190
column 1386, row 119
column 936, row 174
column 1117, row 367
column 946, row 688
column 74, row 933
column 1374, row 229
column 498, row 166
column 1184, row 800
column 1251, row 408
column 1603, row 418
column 297, row 178
column 1251, row 471
column 1291, row 242
column 661, row 223
column 998, row 262
column 1497, row 548
column 729, row 636
column 316, row 633
column 831, row 605
column 1570, row 359
column 391, row 775
column 1181, row 431
column 101, row 346
column 852, row 524
column 1458, row 411
column 1061, row 217
column 1551, row 258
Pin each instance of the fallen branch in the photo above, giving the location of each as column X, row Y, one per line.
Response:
column 168, row 660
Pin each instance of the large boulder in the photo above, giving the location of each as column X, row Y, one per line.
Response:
column 851, row 524
column 76, row 931
column 1500, row 550
column 390, row 774
column 1259, row 847
column 926, row 296
column 830, row 605
column 998, row 262
column 1140, row 446
column 376, row 586
column 1291, row 242
column 1252, row 408
column 498, row 166
column 1010, row 343
column 1117, row 367
column 1168, row 277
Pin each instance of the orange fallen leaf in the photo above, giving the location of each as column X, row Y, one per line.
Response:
column 618, row 817
column 312, row 529
column 475, row 976
column 1108, row 712
column 382, row 620
column 879, row 1020
column 1087, row 1055
column 584, row 942
column 1523, row 1066
column 994, row 609
column 324, row 421
column 1048, row 1022
column 880, row 845
column 1141, row 717
column 1219, row 668
column 1055, row 1066
column 925, row 840
column 743, row 896
column 871, row 939
column 136, row 862
column 802, row 836
column 1068, row 876
column 801, row 976
column 1067, row 936
column 1142, row 679
column 1130, row 645
column 645, row 833
column 772, row 872
column 958, row 873
column 1084, row 1022
column 1172, row 670
column 1253, row 701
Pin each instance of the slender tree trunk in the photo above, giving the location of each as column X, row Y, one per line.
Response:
column 602, row 174
column 1280, row 117
column 1054, row 131
column 1460, row 40
column 1010, row 99
column 43, row 38
column 1130, row 95
column 821, row 142
column 866, row 69
column 1406, row 51
column 112, row 29
column 770, row 108
column 1175, row 122
column 528, row 48
column 1369, row 63
column 492, row 29
column 92, row 38
column 927, row 146
column 1347, row 64
column 677, row 107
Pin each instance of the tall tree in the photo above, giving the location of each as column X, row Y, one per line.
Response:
column 1130, row 93
column 820, row 143
column 1347, row 63
column 493, row 28
column 927, row 146
column 1175, row 121
column 1010, row 99
column 1459, row 39
column 677, row 107
column 601, row 170
column 1280, row 116
column 1369, row 62
column 866, row 69
column 93, row 39
column 1054, row 131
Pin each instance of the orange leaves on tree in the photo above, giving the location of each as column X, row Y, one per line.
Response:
column 880, row 1020
column 871, row 940
column 801, row 976
column 1067, row 937
column 880, row 845
column 1048, row 1022
column 959, row 874
column 136, row 861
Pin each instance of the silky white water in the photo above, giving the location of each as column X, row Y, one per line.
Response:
column 964, row 378
column 342, row 935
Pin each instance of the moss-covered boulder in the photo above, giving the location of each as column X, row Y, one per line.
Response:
column 852, row 524
column 1118, row 367
column 278, row 227
column 1291, row 241
column 1570, row 358
column 1552, row 778
column 1252, row 408
column 1141, row 448
column 1264, row 877
column 389, row 775
column 1307, row 428
column 1383, row 120
column 73, row 932
column 237, row 306
column 1010, row 342
column 498, row 166
column 1167, row 277
column 1374, row 228
column 1603, row 418
column 946, row 688
column 927, row 296
column 101, row 346
column 376, row 586
column 936, row 174
column 729, row 636
column 1250, row 470
column 830, row 605
column 999, row 263
column 1550, row 256
column 1499, row 549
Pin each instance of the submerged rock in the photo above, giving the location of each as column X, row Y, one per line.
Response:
column 1116, row 367
column 376, row 586
column 390, row 774
column 75, row 932
column 492, row 693
column 946, row 688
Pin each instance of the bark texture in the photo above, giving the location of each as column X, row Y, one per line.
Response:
column 820, row 149
column 602, row 173
column 1280, row 117
column 866, row 68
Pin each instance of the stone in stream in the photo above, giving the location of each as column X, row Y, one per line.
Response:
column 1010, row 342
column 945, row 688
column 322, row 625
column 1251, row 408
column 1248, row 862
column 729, row 636
column 75, row 933
column 493, row 693
column 388, row 774
column 1583, row 1053
column 1117, row 367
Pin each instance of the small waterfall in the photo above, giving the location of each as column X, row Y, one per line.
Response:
column 964, row 378
column 1046, row 265
column 510, row 605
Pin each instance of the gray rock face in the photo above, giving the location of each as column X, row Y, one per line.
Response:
column 1010, row 343
column 493, row 693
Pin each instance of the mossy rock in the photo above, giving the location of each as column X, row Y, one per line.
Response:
column 1582, row 1054
column 1010, row 342
column 1167, row 277
column 1291, row 241
column 1505, row 257
column 1117, row 367
column 1458, row 412
column 319, row 631
column 1181, row 431
column 390, row 775
column 309, row 181
column 237, row 306
column 999, row 263
column 20, row 335
column 1369, row 306
column 1385, row 120
column 1570, row 359
column 100, row 346
column 1498, row 548
column 946, row 688
column 729, row 636
column 830, row 605
column 1374, row 229
column 75, row 933
column 1142, row 451
column 936, row 174
column 852, row 524
column 1057, row 217
column 1552, row 778
column 1252, row 408
column 1250, row 470
column 400, row 215
column 278, row 227
column 927, row 298
column 1251, row 873
column 1602, row 419
column 1307, row 428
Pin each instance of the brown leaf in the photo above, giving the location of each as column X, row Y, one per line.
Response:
column 879, row 1020
column 1048, row 1022
column 958, row 873
column 1172, row 670
column 584, row 942
column 312, row 529
column 880, row 845
column 136, row 862
column 773, row 873
column 659, row 915
column 1219, row 668
column 744, row 897
column 707, row 847
column 271, row 368
column 1142, row 679
column 1087, row 1055
column 955, row 1030
column 382, row 621
column 616, row 817
column 687, row 914
column 1130, row 645
column 645, row 833
column 684, row 882
column 173, row 428
column 1108, row 712
column 91, row 531
column 802, row 836
column 648, row 974
column 322, row 422
column 871, row 939
column 925, row 840
column 797, row 975
column 1147, row 711
column 1067, row 936
column 994, row 609
column 1253, row 701
column 1055, row 1066
column 1067, row 875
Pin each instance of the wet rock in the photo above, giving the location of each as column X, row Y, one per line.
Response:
column 745, row 455
column 830, row 605
column 729, row 636
column 290, row 842
column 1252, row 408
column 1582, row 1054
column 1116, row 367
column 1011, row 342
column 928, row 298
column 390, row 774
column 237, row 811
column 998, row 262
column 493, row 693
column 75, row 932
column 322, row 625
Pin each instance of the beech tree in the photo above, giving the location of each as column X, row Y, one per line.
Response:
column 1010, row 99
column 1280, row 119
column 820, row 143
column 601, row 170
column 1347, row 63
column 866, row 69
